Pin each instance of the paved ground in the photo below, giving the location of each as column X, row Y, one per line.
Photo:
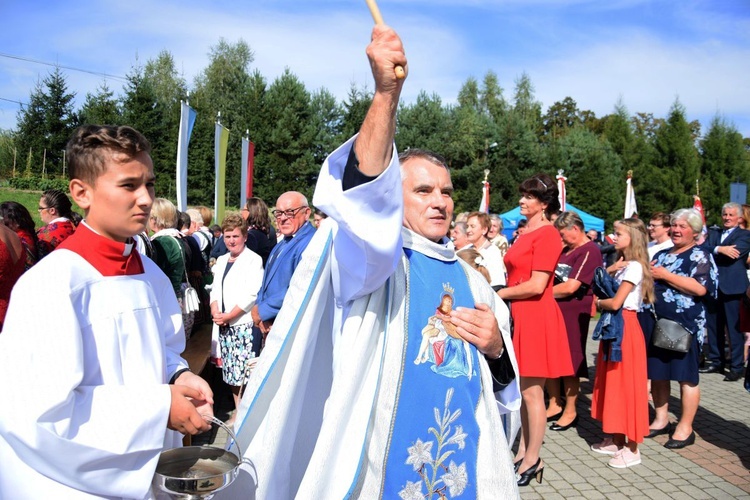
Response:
column 716, row 466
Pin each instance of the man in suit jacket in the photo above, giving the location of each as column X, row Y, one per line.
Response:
column 730, row 248
column 292, row 213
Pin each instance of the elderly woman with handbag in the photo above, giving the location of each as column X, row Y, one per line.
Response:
column 237, row 279
column 682, row 275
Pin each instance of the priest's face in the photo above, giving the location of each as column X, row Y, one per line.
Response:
column 119, row 203
column 428, row 206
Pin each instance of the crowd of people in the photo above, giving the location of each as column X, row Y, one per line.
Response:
column 372, row 323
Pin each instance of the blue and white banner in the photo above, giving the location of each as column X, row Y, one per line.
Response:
column 187, row 120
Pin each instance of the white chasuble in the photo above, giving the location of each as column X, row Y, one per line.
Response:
column 362, row 365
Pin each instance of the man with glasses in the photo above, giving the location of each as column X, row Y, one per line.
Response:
column 292, row 213
column 730, row 248
column 658, row 231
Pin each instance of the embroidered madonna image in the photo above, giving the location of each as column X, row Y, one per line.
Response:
column 441, row 345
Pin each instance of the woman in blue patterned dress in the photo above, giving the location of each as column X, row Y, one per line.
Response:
column 683, row 275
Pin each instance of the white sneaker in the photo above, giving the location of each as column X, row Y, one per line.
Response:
column 625, row 458
column 606, row 447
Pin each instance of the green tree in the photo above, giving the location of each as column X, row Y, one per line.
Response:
column 355, row 105
column 723, row 161
column 423, row 124
column 100, row 107
column 594, row 172
column 525, row 104
column 31, row 131
column 290, row 164
column 142, row 111
column 326, row 117
column 60, row 119
column 9, row 155
column 561, row 118
column 671, row 184
column 168, row 89
column 491, row 97
column 223, row 87
column 45, row 125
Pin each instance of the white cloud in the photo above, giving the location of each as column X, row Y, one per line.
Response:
column 649, row 67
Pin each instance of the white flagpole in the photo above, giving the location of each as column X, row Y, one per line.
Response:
column 562, row 195
column 243, row 168
column 630, row 206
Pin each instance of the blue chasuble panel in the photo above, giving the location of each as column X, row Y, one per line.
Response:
column 433, row 443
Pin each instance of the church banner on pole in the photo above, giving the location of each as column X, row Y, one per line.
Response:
column 248, row 162
column 484, row 204
column 187, row 121
column 630, row 205
column 221, row 138
column 561, row 193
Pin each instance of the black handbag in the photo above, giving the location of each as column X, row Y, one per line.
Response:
column 671, row 335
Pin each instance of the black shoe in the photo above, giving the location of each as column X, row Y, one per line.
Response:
column 554, row 417
column 674, row 444
column 533, row 471
column 732, row 376
column 712, row 368
column 658, row 432
column 516, row 465
column 555, row 427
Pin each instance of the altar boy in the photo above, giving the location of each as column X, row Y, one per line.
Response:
column 90, row 370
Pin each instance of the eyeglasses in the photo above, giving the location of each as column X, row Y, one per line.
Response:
column 41, row 209
column 656, row 225
column 288, row 213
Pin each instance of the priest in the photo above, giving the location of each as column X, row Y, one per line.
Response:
column 391, row 361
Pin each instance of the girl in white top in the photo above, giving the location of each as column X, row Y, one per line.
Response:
column 620, row 399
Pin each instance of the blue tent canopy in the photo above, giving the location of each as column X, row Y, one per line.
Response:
column 510, row 220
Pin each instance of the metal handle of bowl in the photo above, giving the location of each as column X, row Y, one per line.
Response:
column 224, row 426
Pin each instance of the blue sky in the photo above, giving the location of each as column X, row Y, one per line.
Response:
column 645, row 52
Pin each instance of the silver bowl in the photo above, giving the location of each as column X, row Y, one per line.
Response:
column 193, row 472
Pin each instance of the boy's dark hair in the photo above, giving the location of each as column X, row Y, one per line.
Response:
column 86, row 149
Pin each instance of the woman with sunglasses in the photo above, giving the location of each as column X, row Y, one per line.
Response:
column 56, row 211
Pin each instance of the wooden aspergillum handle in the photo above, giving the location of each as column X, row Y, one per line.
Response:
column 378, row 18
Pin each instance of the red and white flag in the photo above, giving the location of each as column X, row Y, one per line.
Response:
column 484, row 205
column 246, row 169
column 698, row 205
column 561, row 189
column 630, row 206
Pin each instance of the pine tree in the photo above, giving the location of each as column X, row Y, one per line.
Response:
column 100, row 108
column 60, row 119
column 723, row 161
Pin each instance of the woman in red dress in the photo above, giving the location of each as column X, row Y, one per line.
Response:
column 17, row 218
column 539, row 336
column 11, row 266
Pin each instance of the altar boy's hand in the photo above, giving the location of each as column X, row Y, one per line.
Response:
column 479, row 327
column 204, row 403
column 183, row 414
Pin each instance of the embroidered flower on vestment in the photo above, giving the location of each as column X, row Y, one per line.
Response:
column 420, row 454
column 456, row 478
column 412, row 491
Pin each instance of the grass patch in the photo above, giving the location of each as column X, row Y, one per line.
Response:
column 30, row 200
